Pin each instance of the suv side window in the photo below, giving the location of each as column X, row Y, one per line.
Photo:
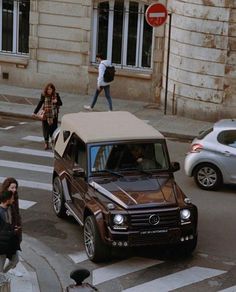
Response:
column 76, row 152
column 227, row 138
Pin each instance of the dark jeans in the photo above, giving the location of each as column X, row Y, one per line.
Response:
column 49, row 129
column 107, row 94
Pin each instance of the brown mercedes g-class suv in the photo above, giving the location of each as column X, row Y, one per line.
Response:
column 113, row 174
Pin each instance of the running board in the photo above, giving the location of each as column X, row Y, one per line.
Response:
column 72, row 213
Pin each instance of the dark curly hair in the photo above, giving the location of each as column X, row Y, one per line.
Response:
column 49, row 85
column 7, row 182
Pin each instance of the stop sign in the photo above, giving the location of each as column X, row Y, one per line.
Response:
column 156, row 14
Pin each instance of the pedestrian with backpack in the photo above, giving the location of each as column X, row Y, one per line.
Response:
column 105, row 76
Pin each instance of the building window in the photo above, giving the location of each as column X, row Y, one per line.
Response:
column 121, row 33
column 14, row 26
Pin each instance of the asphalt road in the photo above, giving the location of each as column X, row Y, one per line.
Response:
column 215, row 250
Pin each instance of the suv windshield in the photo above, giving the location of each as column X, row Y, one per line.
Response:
column 133, row 156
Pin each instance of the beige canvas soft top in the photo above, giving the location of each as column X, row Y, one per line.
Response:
column 108, row 126
column 94, row 127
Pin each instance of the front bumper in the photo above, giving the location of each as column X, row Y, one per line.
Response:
column 151, row 237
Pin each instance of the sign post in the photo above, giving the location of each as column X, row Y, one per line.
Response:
column 156, row 15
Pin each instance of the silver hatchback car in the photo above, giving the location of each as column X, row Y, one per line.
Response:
column 212, row 156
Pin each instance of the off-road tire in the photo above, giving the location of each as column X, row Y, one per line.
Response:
column 96, row 249
column 58, row 199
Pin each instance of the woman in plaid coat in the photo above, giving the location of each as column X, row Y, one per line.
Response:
column 50, row 101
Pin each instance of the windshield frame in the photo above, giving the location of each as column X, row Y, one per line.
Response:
column 92, row 173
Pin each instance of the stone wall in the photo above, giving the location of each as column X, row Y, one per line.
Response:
column 59, row 46
column 202, row 63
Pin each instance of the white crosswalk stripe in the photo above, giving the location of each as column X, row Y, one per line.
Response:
column 25, row 204
column 230, row 289
column 177, row 280
column 26, row 166
column 26, row 151
column 33, row 138
column 31, row 184
column 78, row 257
column 122, row 268
column 7, row 128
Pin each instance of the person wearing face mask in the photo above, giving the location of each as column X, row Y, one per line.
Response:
column 9, row 240
column 11, row 184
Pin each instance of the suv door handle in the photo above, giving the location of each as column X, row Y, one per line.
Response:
column 227, row 153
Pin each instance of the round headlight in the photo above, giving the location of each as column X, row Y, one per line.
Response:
column 118, row 219
column 185, row 214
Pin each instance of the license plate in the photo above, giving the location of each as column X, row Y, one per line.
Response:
column 154, row 231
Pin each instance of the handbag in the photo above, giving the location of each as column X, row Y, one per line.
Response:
column 41, row 115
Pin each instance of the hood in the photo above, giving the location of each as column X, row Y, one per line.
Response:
column 135, row 192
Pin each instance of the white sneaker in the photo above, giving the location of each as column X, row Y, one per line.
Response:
column 88, row 107
column 15, row 273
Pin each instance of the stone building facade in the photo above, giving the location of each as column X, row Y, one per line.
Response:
column 65, row 35
column 202, row 58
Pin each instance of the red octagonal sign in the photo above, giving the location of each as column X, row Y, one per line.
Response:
column 156, row 14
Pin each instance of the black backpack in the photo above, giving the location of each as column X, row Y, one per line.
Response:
column 109, row 73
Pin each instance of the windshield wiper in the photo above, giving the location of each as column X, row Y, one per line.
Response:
column 112, row 172
column 138, row 169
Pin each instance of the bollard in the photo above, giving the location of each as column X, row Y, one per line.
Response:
column 4, row 283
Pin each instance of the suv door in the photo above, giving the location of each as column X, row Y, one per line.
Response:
column 75, row 163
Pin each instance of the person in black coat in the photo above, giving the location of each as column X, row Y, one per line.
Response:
column 50, row 102
column 9, row 239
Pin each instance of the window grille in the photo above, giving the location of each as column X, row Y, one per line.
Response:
column 14, row 26
column 121, row 33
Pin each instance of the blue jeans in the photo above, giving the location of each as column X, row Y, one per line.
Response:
column 107, row 94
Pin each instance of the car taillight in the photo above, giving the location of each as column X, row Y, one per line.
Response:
column 196, row 148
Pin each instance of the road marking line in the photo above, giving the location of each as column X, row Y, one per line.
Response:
column 230, row 289
column 31, row 184
column 26, row 151
column 78, row 257
column 7, row 128
column 26, row 166
column 122, row 268
column 33, row 138
column 177, row 280
column 23, row 123
column 25, row 204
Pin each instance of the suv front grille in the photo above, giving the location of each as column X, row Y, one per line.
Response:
column 167, row 219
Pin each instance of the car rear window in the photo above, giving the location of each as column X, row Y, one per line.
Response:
column 227, row 138
column 204, row 133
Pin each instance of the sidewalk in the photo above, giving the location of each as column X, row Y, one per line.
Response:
column 42, row 269
column 22, row 101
